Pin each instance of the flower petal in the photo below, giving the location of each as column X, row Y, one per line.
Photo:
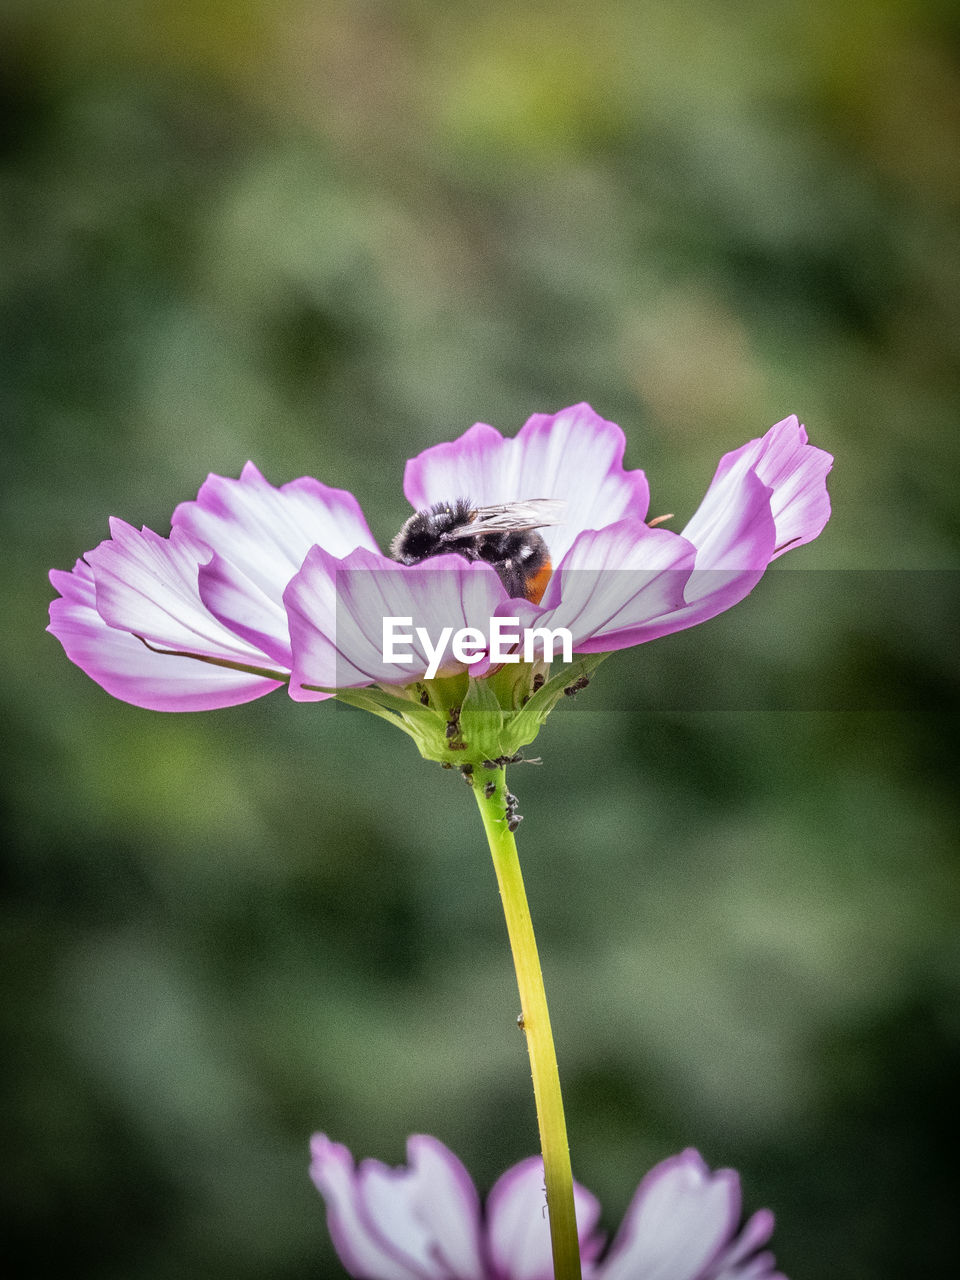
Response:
column 734, row 546
column 795, row 472
column 360, row 1246
column 428, row 1213
column 246, row 610
column 679, row 1219
column 266, row 532
column 127, row 669
column 613, row 584
column 448, row 1202
column 575, row 456
column 148, row 585
column 736, row 529
column 733, row 527
column 742, row 1261
column 518, row 1228
column 337, row 610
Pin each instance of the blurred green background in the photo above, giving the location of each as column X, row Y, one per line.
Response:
column 324, row 236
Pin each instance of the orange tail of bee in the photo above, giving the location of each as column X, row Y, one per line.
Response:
column 537, row 585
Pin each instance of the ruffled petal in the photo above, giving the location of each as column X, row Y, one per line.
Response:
column 759, row 497
column 266, row 532
column 792, row 469
column 148, row 586
column 337, row 610
column 127, row 669
column 678, row 1221
column 361, row 1247
column 428, row 1212
column 575, row 456
column 518, row 1228
column 742, row 1259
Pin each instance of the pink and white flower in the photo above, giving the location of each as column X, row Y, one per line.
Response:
column 258, row 586
column 424, row 1221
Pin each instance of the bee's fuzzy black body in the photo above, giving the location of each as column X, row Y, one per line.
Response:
column 518, row 555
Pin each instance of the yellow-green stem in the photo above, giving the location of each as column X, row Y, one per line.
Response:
column 536, row 1024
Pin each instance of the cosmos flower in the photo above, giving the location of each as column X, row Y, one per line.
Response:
column 257, row 586
column 424, row 1221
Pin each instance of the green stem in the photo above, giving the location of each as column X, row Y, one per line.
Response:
column 536, row 1025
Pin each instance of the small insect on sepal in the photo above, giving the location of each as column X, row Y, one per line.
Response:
column 510, row 812
column 581, row 682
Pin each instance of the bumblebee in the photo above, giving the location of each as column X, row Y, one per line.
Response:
column 503, row 536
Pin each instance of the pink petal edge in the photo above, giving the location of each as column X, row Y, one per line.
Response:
column 123, row 665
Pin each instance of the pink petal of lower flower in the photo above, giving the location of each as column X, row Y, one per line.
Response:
column 359, row 1245
column 127, row 669
column 761, row 1267
column 337, row 610
column 428, row 1212
column 267, row 532
column 575, row 456
column 741, row 1260
column 680, row 1218
column 518, row 1228
column 447, row 1201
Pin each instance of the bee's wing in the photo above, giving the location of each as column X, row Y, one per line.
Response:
column 511, row 517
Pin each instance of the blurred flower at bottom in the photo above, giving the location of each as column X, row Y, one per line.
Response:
column 424, row 1221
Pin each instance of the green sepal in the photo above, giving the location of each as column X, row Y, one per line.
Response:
column 481, row 721
column 458, row 720
column 419, row 722
column 523, row 726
